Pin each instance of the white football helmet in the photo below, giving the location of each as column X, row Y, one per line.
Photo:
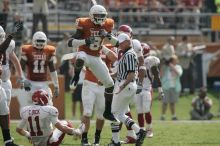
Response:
column 98, row 14
column 2, row 34
column 39, row 40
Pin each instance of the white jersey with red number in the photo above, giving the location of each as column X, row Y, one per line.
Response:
column 149, row 62
column 39, row 119
column 5, row 63
column 136, row 44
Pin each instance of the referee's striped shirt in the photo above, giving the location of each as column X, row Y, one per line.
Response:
column 127, row 63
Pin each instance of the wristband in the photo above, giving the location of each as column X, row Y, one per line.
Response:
column 105, row 50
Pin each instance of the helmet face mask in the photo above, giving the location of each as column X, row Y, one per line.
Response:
column 146, row 49
column 39, row 40
column 98, row 14
column 2, row 35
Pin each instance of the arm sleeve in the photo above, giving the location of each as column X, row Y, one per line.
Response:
column 21, row 124
column 54, row 115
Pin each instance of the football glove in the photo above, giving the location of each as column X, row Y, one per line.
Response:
column 90, row 40
column 27, row 85
column 74, row 82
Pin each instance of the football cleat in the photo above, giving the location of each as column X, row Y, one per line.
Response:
column 129, row 140
column 96, row 141
column 11, row 144
column 114, row 144
column 140, row 137
column 84, row 142
column 149, row 133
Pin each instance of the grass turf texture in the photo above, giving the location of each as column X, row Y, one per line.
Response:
column 166, row 133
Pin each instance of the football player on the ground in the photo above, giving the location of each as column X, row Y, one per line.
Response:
column 38, row 57
column 39, row 119
column 93, row 96
column 131, row 136
column 7, row 54
column 143, row 98
column 90, row 34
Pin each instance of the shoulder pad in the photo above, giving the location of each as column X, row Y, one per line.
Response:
column 81, row 22
column 53, row 111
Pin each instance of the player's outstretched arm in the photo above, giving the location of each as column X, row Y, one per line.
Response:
column 68, row 130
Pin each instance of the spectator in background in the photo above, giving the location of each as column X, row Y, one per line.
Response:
column 201, row 106
column 4, row 9
column 22, row 36
column 217, row 3
column 193, row 7
column 171, row 74
column 185, row 53
column 40, row 12
column 168, row 50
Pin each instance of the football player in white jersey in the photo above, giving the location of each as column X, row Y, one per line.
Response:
column 143, row 98
column 7, row 54
column 39, row 119
column 131, row 136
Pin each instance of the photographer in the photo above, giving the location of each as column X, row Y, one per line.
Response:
column 201, row 106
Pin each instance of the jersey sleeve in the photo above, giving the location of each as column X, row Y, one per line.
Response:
column 11, row 46
column 79, row 24
column 24, row 53
column 52, row 53
column 110, row 25
column 137, row 47
column 22, row 124
column 54, row 115
column 131, row 62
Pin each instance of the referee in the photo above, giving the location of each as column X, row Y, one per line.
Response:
column 124, row 90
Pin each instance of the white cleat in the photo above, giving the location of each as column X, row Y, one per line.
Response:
column 149, row 133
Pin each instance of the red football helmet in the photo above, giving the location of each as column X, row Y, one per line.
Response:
column 146, row 49
column 125, row 29
column 40, row 97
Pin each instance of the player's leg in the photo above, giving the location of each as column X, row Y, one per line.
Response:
column 100, row 70
column 5, row 119
column 57, row 136
column 88, row 99
column 81, row 59
column 99, row 108
column 131, row 135
column 147, row 102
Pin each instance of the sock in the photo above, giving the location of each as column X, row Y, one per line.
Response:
column 135, row 128
column 131, row 133
column 115, row 132
column 141, row 120
column 6, row 134
column 130, row 116
column 98, row 132
column 84, row 135
column 148, row 118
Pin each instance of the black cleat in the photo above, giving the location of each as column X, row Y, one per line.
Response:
column 11, row 144
column 84, row 142
column 140, row 137
column 96, row 141
column 114, row 144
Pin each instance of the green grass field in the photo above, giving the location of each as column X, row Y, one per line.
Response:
column 166, row 133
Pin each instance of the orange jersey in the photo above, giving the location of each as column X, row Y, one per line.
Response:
column 90, row 29
column 37, row 61
column 90, row 76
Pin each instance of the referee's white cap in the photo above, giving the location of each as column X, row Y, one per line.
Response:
column 123, row 37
